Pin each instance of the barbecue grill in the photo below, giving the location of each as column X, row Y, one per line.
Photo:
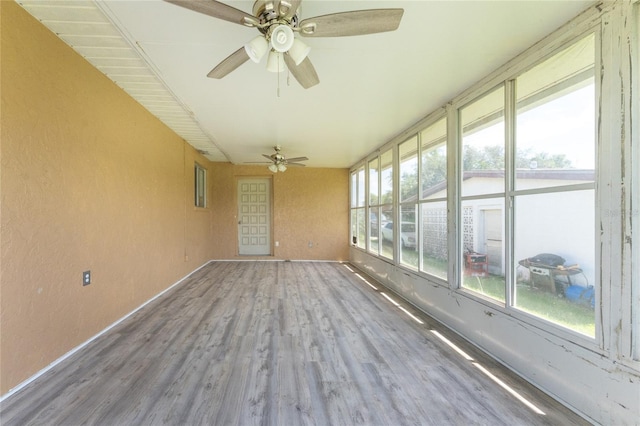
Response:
column 549, row 272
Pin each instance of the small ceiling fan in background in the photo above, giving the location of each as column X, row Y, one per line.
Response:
column 277, row 21
column 279, row 162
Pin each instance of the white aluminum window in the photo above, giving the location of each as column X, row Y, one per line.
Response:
column 553, row 195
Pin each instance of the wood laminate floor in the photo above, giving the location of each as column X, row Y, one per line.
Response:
column 276, row 343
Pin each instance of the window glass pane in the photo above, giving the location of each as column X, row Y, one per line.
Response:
column 483, row 246
column 374, row 194
column 408, row 152
column 354, row 189
column 354, row 226
column 374, row 212
column 386, row 175
column 555, row 139
column 200, row 186
column 386, row 232
column 408, row 235
column 434, row 239
column 483, row 145
column 362, row 236
column 434, row 160
column 361, row 181
column 554, row 257
column 374, row 229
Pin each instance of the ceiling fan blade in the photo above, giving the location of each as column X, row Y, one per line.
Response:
column 357, row 22
column 268, row 157
column 217, row 10
column 232, row 62
column 296, row 165
column 296, row 159
column 305, row 73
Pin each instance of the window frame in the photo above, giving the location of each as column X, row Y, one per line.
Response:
column 425, row 201
column 200, row 186
column 404, row 203
column 461, row 197
column 358, row 196
column 513, row 193
column 454, row 196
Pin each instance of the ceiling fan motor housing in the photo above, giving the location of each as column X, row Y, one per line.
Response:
column 277, row 157
column 269, row 17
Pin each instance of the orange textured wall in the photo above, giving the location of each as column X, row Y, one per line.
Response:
column 310, row 211
column 89, row 180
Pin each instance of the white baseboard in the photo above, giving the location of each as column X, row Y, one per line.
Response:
column 82, row 345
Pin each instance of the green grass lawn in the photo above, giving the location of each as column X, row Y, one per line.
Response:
column 541, row 303
column 573, row 315
column 549, row 306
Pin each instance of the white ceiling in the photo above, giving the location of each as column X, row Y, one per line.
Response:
column 371, row 87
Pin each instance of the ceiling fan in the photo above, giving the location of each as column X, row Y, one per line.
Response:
column 277, row 21
column 279, row 162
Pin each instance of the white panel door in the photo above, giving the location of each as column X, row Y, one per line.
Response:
column 254, row 216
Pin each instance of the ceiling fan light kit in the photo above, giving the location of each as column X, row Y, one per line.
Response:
column 277, row 21
column 256, row 48
column 281, row 38
column 275, row 62
column 278, row 168
column 299, row 51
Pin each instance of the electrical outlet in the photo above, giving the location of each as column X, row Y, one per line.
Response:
column 86, row 278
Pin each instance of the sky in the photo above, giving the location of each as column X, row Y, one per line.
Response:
column 565, row 125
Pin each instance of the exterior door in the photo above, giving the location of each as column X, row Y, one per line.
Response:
column 254, row 216
column 493, row 221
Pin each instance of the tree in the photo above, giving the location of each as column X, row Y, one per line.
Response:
column 487, row 158
column 434, row 165
column 492, row 158
column 526, row 158
column 409, row 183
column 434, row 168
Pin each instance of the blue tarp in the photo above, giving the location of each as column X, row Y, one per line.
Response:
column 580, row 294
